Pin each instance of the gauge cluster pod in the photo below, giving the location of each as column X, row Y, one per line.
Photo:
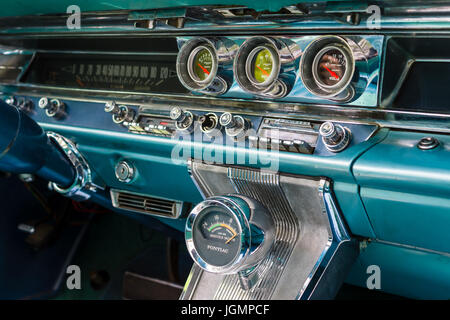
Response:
column 266, row 66
column 204, row 65
column 336, row 68
column 229, row 234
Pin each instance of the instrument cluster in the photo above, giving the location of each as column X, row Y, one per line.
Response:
column 294, row 69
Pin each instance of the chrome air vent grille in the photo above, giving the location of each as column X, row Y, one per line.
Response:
column 146, row 204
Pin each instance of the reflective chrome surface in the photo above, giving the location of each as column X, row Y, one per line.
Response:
column 253, row 221
column 313, row 249
column 83, row 180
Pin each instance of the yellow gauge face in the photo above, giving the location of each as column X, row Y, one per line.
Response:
column 262, row 65
column 202, row 64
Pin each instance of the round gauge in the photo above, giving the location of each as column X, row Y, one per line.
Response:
column 261, row 65
column 217, row 236
column 200, row 64
column 327, row 67
column 224, row 235
column 197, row 66
column 258, row 68
column 330, row 66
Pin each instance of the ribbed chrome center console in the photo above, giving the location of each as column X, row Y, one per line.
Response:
column 311, row 252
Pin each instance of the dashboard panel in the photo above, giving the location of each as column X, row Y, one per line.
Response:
column 337, row 121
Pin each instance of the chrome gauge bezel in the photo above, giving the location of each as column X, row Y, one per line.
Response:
column 220, row 78
column 185, row 58
column 275, row 66
column 284, row 52
column 190, row 62
column 342, row 90
column 244, row 235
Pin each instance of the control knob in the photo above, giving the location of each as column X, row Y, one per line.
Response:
column 120, row 113
column 235, row 126
column 54, row 108
column 335, row 137
column 184, row 120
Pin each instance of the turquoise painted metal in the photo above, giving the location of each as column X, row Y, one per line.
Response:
column 152, row 157
column 406, row 190
column 404, row 271
column 388, row 190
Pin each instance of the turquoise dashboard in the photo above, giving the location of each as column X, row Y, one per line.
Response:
column 168, row 106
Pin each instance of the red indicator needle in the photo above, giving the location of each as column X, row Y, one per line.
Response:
column 204, row 70
column 262, row 70
column 332, row 73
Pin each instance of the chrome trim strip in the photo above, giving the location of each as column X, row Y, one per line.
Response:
column 338, row 238
column 264, row 187
column 83, row 178
column 407, row 246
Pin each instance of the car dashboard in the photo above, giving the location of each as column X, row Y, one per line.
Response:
column 326, row 133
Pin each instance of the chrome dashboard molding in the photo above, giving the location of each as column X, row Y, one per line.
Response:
column 410, row 15
column 316, row 250
column 83, row 178
column 264, row 187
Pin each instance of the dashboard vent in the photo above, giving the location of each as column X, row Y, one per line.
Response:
column 146, row 204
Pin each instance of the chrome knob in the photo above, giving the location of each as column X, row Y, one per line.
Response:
column 11, row 101
column 334, row 136
column 55, row 108
column 184, row 120
column 120, row 113
column 43, row 103
column 177, row 114
column 235, row 126
column 112, row 107
column 227, row 120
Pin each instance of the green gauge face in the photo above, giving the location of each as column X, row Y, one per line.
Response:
column 262, row 65
column 202, row 64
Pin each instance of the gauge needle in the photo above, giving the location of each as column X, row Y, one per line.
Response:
column 332, row 73
column 234, row 236
column 204, row 70
column 262, row 70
